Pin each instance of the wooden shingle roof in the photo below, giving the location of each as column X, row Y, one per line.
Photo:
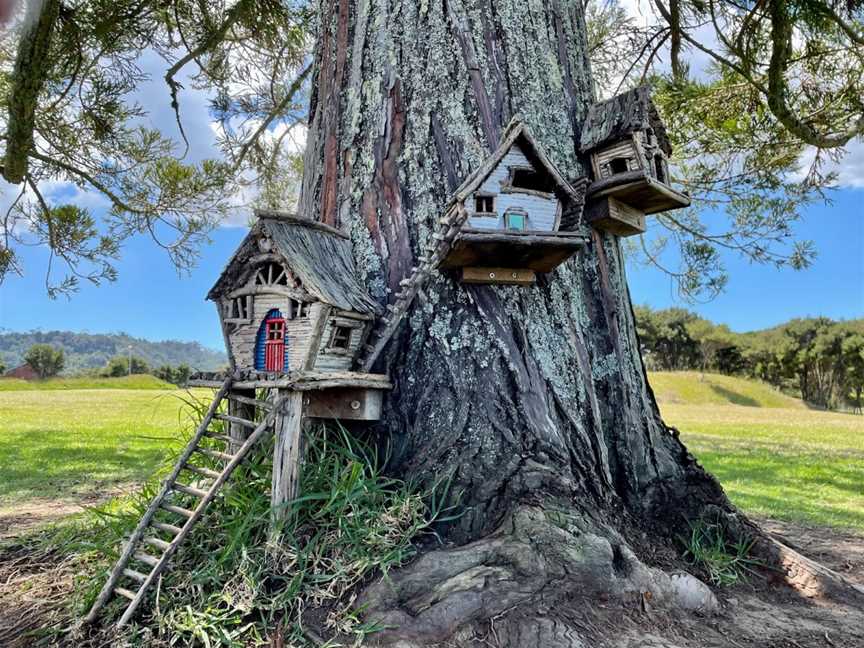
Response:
column 319, row 255
column 618, row 117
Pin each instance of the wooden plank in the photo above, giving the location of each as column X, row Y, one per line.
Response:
column 288, row 428
column 504, row 276
column 215, row 454
column 236, row 420
column 344, row 404
column 156, row 542
column 146, row 559
column 168, row 528
column 122, row 591
column 315, row 338
column 308, row 380
column 204, row 472
column 135, row 575
column 614, row 216
column 177, row 510
column 189, row 490
column 242, row 406
column 249, row 400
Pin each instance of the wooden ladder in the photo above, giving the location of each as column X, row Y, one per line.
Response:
column 451, row 224
column 134, row 547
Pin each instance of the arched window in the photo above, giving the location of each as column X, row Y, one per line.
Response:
column 272, row 274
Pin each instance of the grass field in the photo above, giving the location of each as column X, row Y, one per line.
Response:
column 64, row 445
column 138, row 381
column 773, row 455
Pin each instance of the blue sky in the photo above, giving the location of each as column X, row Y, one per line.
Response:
column 150, row 300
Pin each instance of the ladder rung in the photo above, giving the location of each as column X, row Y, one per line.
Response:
column 215, row 454
column 135, row 575
column 122, row 591
column 251, row 401
column 237, row 420
column 178, row 510
column 168, row 528
column 204, row 472
column 189, row 490
column 156, row 542
column 146, row 559
column 218, row 437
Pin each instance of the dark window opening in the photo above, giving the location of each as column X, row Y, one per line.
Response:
column 484, row 204
column 619, row 165
column 240, row 308
column 271, row 274
column 341, row 338
column 660, row 169
column 531, row 180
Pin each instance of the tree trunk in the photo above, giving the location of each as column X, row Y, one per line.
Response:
column 534, row 401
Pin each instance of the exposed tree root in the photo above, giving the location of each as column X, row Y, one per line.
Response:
column 535, row 561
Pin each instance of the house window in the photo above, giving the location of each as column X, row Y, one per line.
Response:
column 530, row 180
column 619, row 165
column 240, row 308
column 341, row 339
column 484, row 204
column 516, row 220
column 271, row 274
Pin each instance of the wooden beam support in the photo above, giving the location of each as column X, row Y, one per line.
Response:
column 502, row 276
column 241, row 409
column 344, row 404
column 288, row 428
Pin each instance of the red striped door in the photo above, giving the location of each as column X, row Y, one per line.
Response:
column 274, row 345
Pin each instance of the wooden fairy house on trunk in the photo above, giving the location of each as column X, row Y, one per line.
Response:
column 511, row 218
column 289, row 299
column 629, row 150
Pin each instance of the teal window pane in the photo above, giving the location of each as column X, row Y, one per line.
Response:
column 516, row 221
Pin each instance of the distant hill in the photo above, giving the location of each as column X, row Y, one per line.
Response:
column 694, row 388
column 92, row 350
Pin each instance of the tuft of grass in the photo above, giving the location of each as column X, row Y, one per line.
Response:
column 236, row 583
column 725, row 563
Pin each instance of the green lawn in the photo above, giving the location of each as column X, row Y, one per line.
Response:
column 786, row 462
column 138, row 381
column 61, row 445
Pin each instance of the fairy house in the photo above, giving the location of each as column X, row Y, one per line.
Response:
column 629, row 150
column 289, row 299
column 513, row 215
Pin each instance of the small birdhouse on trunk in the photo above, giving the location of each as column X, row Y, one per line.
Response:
column 510, row 218
column 629, row 151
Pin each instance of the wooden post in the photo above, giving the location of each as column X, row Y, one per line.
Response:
column 288, row 428
column 237, row 432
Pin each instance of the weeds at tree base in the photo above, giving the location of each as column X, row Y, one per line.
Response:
column 726, row 563
column 233, row 582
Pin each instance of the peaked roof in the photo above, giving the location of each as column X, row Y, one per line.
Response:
column 618, row 117
column 320, row 256
column 517, row 132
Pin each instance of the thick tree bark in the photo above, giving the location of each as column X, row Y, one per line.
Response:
column 533, row 400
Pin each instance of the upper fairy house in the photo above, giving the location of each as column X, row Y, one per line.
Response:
column 629, row 151
column 289, row 299
column 514, row 215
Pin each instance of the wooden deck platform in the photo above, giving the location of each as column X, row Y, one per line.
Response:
column 297, row 380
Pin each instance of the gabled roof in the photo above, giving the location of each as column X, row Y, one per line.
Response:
column 319, row 255
column 618, row 117
column 517, row 132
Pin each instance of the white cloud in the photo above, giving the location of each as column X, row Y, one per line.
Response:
column 849, row 168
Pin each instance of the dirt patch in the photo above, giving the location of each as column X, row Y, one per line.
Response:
column 19, row 518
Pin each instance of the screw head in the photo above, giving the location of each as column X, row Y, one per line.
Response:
column 355, row 405
column 491, row 275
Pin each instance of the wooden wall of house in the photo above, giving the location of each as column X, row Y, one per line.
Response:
column 542, row 212
column 335, row 359
column 243, row 337
column 622, row 149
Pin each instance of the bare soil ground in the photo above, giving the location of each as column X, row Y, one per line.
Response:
column 759, row 614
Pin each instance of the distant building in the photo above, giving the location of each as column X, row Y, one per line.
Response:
column 24, row 371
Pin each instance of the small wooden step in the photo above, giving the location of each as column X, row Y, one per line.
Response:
column 215, row 454
column 179, row 510
column 189, row 490
column 135, row 575
column 156, row 542
column 254, row 402
column 122, row 591
column 168, row 528
column 147, row 559
column 204, row 472
column 237, row 420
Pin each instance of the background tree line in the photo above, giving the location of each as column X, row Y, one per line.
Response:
column 819, row 359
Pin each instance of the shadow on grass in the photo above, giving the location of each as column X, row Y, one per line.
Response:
column 736, row 398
